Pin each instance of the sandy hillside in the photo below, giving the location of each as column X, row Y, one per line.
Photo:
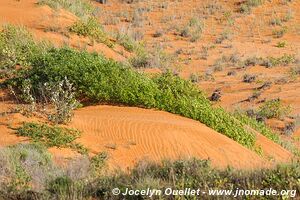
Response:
column 132, row 134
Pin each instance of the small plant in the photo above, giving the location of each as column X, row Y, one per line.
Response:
column 92, row 29
column 274, row 109
column 51, row 136
column 158, row 33
column 225, row 35
column 248, row 4
column 283, row 60
column 192, row 30
column 81, row 8
column 194, row 78
column 249, row 78
column 281, row 44
column 62, row 96
column 278, row 33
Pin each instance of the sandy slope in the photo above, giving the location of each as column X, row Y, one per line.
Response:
column 41, row 19
column 132, row 134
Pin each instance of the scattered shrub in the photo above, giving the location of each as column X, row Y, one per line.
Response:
column 81, row 8
column 51, row 136
column 274, row 109
column 24, row 167
column 62, row 96
column 249, row 78
column 17, row 47
column 278, row 33
column 92, row 29
column 247, row 5
column 198, row 174
column 281, row 44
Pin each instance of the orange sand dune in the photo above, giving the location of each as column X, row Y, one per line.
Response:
column 133, row 134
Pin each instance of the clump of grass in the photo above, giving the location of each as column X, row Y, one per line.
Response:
column 192, row 30
column 249, row 4
column 127, row 42
column 196, row 173
column 281, row 44
column 92, row 29
column 278, row 33
column 283, row 60
column 25, row 167
column 51, row 136
column 225, row 35
column 274, row 109
column 80, row 8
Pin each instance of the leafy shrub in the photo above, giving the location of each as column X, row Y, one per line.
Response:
column 17, row 47
column 62, row 96
column 274, row 109
column 51, row 136
column 92, row 29
column 283, row 60
column 24, row 167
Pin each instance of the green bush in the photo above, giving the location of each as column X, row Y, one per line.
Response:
column 51, row 136
column 274, row 109
column 17, row 47
column 24, row 167
column 92, row 29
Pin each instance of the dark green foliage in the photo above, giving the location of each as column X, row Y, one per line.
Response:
column 51, row 136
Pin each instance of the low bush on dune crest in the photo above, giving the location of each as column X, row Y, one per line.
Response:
column 102, row 80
